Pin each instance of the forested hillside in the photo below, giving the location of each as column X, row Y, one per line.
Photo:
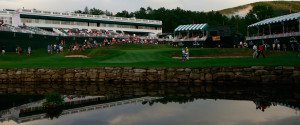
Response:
column 279, row 7
column 171, row 18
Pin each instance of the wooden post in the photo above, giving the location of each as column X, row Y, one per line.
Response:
column 258, row 30
column 248, row 31
column 282, row 27
column 299, row 25
column 174, row 34
column 270, row 31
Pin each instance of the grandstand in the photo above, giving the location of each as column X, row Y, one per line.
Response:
column 278, row 30
column 83, row 23
column 190, row 35
column 202, row 35
column 25, row 28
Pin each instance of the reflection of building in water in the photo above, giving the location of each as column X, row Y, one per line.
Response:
column 15, row 112
column 264, row 104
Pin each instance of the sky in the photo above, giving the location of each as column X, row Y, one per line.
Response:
column 119, row 5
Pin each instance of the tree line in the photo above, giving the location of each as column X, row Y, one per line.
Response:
column 172, row 18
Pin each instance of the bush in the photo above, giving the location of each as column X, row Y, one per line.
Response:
column 53, row 105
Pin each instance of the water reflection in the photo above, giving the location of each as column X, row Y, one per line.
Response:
column 208, row 112
column 79, row 104
column 172, row 104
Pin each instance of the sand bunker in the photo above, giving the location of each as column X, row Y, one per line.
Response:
column 76, row 56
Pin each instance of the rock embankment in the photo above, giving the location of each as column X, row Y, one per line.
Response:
column 254, row 74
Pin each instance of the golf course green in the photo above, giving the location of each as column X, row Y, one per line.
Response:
column 144, row 55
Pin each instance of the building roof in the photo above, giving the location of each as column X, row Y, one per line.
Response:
column 192, row 27
column 293, row 16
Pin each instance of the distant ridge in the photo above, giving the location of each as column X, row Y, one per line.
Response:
column 279, row 7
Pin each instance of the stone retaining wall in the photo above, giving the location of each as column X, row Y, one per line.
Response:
column 257, row 74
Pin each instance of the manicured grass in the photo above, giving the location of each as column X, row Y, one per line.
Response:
column 138, row 55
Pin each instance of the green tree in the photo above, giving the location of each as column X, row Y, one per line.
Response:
column 86, row 10
column 124, row 13
column 250, row 18
column 108, row 13
column 95, row 11
column 142, row 13
column 260, row 12
column 78, row 11
column 263, row 12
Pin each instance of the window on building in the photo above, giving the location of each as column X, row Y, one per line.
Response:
column 56, row 13
column 36, row 21
column 93, row 24
column 46, row 12
column 65, row 14
column 55, row 22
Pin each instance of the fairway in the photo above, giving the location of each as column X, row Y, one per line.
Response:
column 135, row 56
column 138, row 55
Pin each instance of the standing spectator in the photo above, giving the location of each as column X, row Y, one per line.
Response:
column 261, row 49
column 245, row 45
column 267, row 46
column 54, row 47
column 187, row 53
column 293, row 46
column 49, row 48
column 57, row 48
column 251, row 44
column 62, row 42
column 17, row 49
column 95, row 43
column 29, row 51
column 241, row 44
column 61, row 48
column 20, row 51
column 278, row 47
column 284, row 47
column 273, row 46
column 183, row 54
column 105, row 42
column 254, row 51
column 3, row 50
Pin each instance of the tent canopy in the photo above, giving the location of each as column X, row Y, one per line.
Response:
column 293, row 16
column 192, row 27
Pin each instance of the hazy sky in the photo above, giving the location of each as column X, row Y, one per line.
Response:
column 119, row 5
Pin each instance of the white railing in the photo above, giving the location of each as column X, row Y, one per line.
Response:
column 31, row 30
column 274, row 36
column 4, row 12
column 59, row 32
column 90, row 16
column 190, row 39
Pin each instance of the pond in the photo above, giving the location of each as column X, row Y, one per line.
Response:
column 210, row 104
